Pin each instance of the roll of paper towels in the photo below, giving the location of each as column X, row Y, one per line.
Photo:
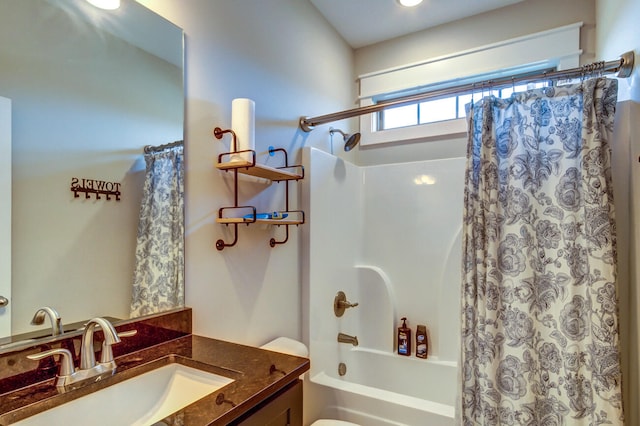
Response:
column 243, row 124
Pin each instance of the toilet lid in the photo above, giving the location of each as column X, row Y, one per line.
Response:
column 287, row 346
column 327, row 422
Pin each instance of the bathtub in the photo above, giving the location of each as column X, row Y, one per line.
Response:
column 393, row 246
column 382, row 389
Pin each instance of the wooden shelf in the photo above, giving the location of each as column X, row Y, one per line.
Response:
column 232, row 220
column 258, row 170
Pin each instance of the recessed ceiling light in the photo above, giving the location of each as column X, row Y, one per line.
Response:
column 409, row 3
column 106, row 4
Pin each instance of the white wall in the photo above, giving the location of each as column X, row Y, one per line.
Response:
column 618, row 32
column 286, row 57
column 512, row 21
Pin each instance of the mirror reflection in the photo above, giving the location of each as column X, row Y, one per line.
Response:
column 88, row 90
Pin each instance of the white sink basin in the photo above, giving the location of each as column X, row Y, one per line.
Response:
column 141, row 400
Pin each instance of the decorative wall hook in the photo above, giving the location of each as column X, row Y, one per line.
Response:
column 98, row 187
column 218, row 133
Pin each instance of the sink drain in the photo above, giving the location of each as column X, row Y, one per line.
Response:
column 342, row 369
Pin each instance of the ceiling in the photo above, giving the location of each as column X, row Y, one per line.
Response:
column 365, row 22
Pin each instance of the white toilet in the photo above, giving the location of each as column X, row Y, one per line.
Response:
column 293, row 347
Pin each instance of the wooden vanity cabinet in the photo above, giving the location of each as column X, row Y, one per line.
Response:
column 282, row 409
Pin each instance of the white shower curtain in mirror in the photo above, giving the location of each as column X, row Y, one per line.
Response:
column 540, row 341
column 158, row 283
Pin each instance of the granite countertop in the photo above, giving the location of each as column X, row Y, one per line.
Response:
column 257, row 375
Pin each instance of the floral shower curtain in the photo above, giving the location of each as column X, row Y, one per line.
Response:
column 539, row 305
column 158, row 283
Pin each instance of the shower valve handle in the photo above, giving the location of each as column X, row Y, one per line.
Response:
column 340, row 304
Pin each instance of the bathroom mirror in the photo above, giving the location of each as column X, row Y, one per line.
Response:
column 89, row 89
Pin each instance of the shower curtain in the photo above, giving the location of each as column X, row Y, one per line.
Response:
column 539, row 300
column 158, row 283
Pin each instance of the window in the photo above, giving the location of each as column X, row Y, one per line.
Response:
column 432, row 119
column 443, row 109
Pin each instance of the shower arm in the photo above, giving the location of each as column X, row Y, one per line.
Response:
column 622, row 66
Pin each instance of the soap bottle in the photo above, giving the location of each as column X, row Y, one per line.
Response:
column 404, row 338
column 422, row 344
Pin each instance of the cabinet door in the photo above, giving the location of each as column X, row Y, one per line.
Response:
column 283, row 409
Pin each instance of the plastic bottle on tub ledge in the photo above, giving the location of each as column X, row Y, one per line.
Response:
column 404, row 338
column 422, row 344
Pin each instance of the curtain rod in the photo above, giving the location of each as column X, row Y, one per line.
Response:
column 148, row 149
column 623, row 66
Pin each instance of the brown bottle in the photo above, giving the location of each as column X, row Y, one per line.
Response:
column 404, row 338
column 422, row 344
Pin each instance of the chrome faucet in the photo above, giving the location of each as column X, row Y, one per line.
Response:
column 87, row 351
column 88, row 366
column 345, row 338
column 54, row 317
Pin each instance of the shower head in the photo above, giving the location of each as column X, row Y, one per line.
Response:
column 350, row 141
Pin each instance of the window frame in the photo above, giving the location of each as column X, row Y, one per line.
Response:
column 557, row 48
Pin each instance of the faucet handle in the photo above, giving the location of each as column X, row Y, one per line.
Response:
column 66, row 363
column 340, row 304
column 106, row 355
column 127, row 333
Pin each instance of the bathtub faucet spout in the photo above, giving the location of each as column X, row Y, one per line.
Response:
column 345, row 338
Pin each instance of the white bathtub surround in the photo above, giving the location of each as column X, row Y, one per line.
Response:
column 394, row 249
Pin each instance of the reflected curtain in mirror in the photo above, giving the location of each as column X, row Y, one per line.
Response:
column 158, row 283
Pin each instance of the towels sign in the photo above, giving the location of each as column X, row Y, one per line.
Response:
column 93, row 186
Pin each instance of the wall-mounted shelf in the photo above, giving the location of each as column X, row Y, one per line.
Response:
column 237, row 215
column 258, row 170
